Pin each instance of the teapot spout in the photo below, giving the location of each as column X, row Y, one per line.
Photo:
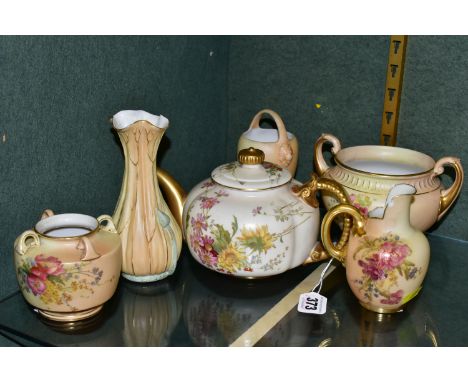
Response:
column 174, row 194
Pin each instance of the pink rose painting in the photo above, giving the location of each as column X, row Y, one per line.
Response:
column 383, row 262
column 36, row 284
column 46, row 278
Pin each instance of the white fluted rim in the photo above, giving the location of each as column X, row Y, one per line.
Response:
column 125, row 118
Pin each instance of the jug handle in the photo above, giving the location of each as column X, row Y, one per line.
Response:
column 308, row 193
column 175, row 195
column 359, row 223
column 448, row 196
column 285, row 150
column 320, row 165
column 23, row 246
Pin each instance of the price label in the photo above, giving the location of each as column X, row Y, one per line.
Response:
column 312, row 303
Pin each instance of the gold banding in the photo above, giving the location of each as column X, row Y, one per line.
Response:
column 251, row 156
column 381, row 310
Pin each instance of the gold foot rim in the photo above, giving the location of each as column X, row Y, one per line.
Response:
column 70, row 316
column 381, row 310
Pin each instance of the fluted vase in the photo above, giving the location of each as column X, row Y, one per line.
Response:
column 151, row 237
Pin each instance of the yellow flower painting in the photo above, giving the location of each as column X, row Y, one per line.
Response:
column 258, row 239
column 231, row 259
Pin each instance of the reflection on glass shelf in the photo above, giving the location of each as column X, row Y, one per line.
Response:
column 198, row 307
column 346, row 323
column 218, row 309
column 194, row 307
column 150, row 312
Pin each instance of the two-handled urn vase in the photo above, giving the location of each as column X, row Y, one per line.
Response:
column 368, row 173
column 68, row 265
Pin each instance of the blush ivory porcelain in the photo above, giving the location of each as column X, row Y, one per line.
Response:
column 368, row 173
column 68, row 266
column 280, row 146
column 151, row 237
column 251, row 219
column 386, row 258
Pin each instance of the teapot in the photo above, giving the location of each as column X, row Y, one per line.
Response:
column 252, row 219
column 369, row 172
column 386, row 258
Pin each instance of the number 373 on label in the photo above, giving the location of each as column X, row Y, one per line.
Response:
column 312, row 303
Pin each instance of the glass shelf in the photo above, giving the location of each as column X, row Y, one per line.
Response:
column 198, row 307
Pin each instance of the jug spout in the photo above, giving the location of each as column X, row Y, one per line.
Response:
column 397, row 203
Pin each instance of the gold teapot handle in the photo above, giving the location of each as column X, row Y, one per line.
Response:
column 320, row 165
column 335, row 251
column 448, row 196
column 308, row 192
column 174, row 194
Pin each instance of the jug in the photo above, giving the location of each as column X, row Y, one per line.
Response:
column 280, row 146
column 386, row 258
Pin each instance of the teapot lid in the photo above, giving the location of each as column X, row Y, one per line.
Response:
column 250, row 172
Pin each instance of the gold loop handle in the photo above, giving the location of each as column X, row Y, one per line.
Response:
column 448, row 196
column 320, row 165
column 110, row 227
column 23, row 246
column 308, row 192
column 334, row 250
column 174, row 194
column 282, row 133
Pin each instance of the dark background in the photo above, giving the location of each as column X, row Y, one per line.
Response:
column 57, row 94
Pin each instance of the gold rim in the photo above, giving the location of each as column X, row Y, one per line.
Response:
column 385, row 193
column 381, row 175
column 251, row 189
column 70, row 316
column 247, row 277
